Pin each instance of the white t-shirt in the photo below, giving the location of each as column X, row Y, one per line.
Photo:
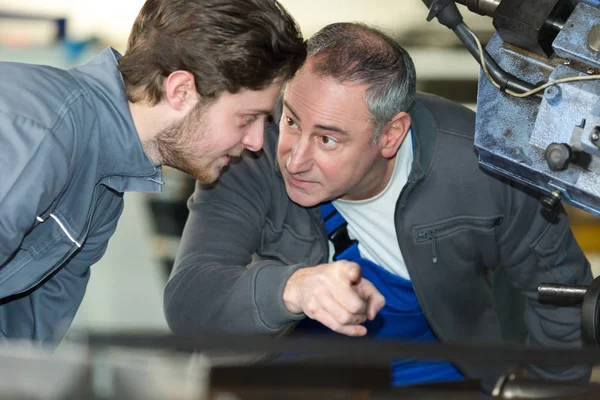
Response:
column 371, row 221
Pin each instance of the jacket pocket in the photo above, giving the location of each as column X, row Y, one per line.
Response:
column 434, row 231
column 38, row 260
column 54, row 231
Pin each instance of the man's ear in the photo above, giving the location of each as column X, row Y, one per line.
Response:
column 180, row 90
column 394, row 134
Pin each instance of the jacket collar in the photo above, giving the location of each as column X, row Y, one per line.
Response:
column 124, row 166
column 424, row 126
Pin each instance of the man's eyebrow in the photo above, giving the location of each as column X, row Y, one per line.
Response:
column 287, row 105
column 330, row 128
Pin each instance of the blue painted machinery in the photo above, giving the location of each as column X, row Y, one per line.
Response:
column 532, row 126
column 538, row 109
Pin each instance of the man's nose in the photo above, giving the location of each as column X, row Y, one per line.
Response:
column 254, row 138
column 299, row 158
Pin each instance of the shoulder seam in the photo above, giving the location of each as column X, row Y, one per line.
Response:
column 59, row 115
column 76, row 94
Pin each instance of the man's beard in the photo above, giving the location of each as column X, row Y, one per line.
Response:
column 177, row 146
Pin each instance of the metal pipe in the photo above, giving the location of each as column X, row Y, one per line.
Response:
column 481, row 7
column 512, row 387
column 449, row 16
column 563, row 295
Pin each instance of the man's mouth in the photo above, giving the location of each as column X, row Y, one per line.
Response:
column 237, row 152
column 301, row 183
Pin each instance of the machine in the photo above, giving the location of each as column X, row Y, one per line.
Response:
column 538, row 108
column 538, row 104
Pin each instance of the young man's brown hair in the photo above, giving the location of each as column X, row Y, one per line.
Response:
column 228, row 45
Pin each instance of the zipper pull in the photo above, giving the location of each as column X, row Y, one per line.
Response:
column 433, row 247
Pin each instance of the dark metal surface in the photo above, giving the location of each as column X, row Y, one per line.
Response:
column 522, row 23
column 481, row 7
column 574, row 295
column 320, row 375
column 150, row 372
column 590, row 314
column 355, row 350
column 335, row 381
column 512, row 387
column 562, row 295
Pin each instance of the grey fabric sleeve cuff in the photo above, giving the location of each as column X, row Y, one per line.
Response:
column 270, row 281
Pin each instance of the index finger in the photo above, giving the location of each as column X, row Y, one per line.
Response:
column 375, row 300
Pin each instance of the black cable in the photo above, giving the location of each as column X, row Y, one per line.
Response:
column 504, row 79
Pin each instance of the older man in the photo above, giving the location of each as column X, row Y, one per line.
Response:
column 369, row 215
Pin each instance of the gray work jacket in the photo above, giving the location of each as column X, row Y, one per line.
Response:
column 68, row 151
column 450, row 210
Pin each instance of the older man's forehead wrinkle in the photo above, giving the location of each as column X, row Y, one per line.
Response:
column 332, row 116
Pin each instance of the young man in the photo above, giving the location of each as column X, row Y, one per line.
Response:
column 194, row 88
column 370, row 215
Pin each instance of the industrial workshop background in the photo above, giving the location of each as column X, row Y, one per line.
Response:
column 127, row 285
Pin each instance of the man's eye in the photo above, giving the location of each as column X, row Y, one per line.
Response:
column 327, row 140
column 290, row 122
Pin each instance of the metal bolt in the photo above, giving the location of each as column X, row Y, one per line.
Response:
column 567, row 61
column 550, row 201
column 595, row 136
column 558, row 156
column 552, row 94
column 591, row 71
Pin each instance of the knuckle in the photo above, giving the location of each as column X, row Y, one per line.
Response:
column 345, row 318
column 312, row 307
column 318, row 315
column 356, row 308
column 322, row 278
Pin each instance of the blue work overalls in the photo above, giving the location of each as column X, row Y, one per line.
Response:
column 400, row 318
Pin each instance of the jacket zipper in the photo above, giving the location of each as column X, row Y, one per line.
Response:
column 430, row 235
column 433, row 234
